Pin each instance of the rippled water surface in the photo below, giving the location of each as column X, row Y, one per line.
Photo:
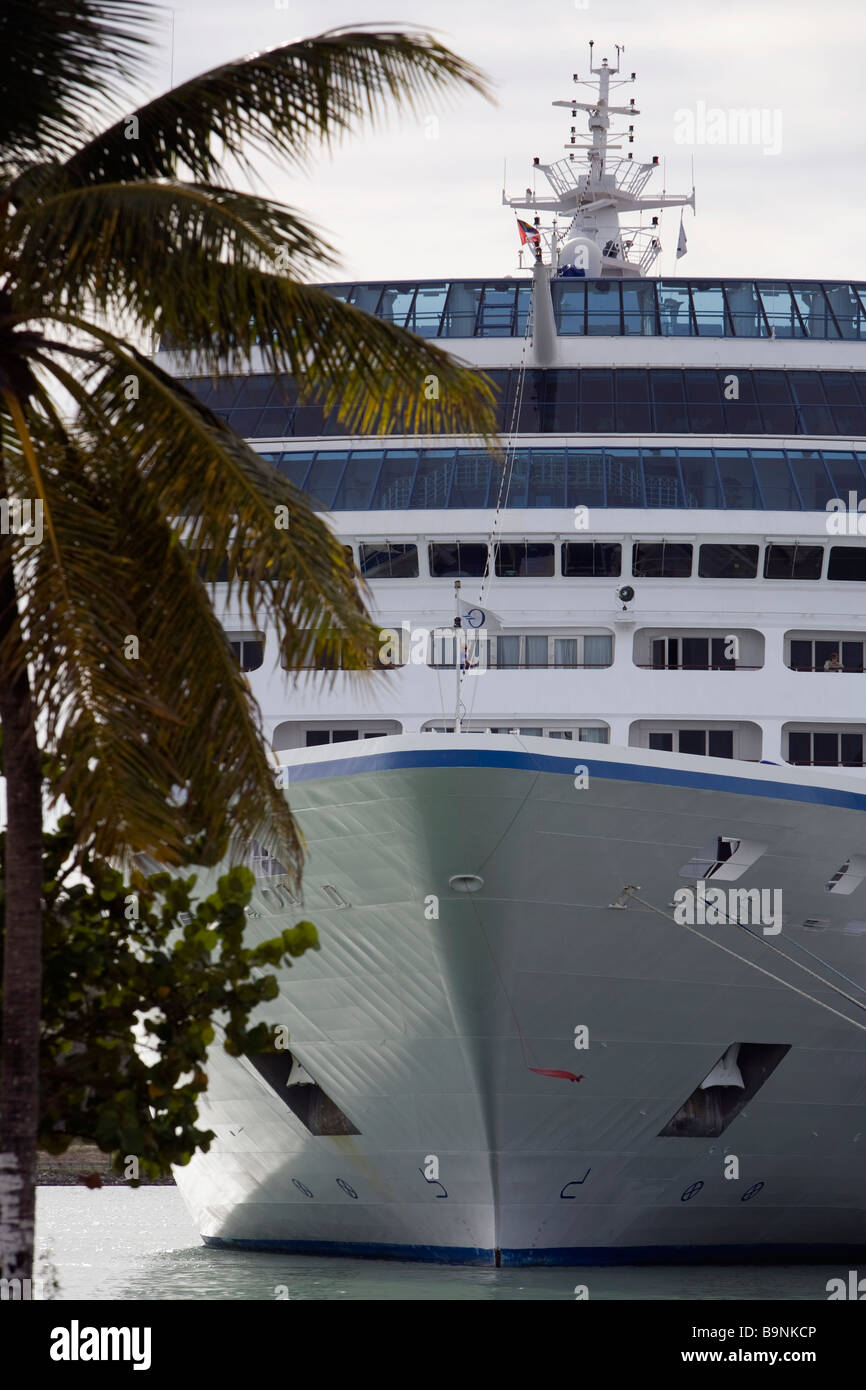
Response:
column 116, row 1243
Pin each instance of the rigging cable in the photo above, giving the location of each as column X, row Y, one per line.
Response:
column 506, row 474
column 745, row 960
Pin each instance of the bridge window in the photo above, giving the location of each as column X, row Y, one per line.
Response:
column 524, row 559
column 793, row 561
column 388, row 561
column 728, row 561
column 591, row 560
column 458, row 560
column 847, row 562
column 661, row 560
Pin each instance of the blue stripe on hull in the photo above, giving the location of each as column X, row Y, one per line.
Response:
column 532, row 762
column 566, row 1255
column 366, row 1250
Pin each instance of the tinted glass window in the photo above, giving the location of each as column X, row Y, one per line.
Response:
column 516, row 479
column 472, row 477
column 639, row 307
column 709, row 305
column 847, row 562
column 426, row 313
column 793, row 561
column 457, row 559
column 461, row 309
column 813, row 482
column 394, row 487
column 591, row 560
column 720, row 743
column 356, row 486
column 844, row 472
column 662, row 478
column 746, row 314
column 389, row 561
column 700, row 478
column 781, row 313
column 738, row 480
column 547, row 478
column 693, row 741
column 524, row 559
column 800, row 749
column 569, row 307
column 395, row 303
column 664, row 743
column 674, row 310
column 295, row 467
column 663, row 560
column 728, row 561
column 325, row 475
column 585, row 479
column 433, row 479
column 825, row 749
column 603, row 307
column 624, row 478
column 775, row 480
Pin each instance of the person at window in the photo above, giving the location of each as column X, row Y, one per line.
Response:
column 833, row 663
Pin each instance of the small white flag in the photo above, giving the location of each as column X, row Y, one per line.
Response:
column 472, row 617
column 682, row 245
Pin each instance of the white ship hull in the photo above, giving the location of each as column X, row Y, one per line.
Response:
column 424, row 1030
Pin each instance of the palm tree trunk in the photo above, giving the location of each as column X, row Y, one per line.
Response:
column 22, row 954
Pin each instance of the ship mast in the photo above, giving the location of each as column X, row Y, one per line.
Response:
column 592, row 193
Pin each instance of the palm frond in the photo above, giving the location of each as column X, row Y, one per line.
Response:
column 121, row 639
column 131, row 247
column 60, row 60
column 282, row 102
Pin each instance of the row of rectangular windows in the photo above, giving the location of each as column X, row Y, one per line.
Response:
column 713, row 479
column 592, row 400
column 603, row 559
column 536, row 650
column 675, row 307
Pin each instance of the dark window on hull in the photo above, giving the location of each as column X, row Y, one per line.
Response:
column 307, row 1101
column 847, row 562
column 664, row 560
column 591, row 560
column 793, row 561
column 519, row 559
column 457, row 560
column 388, row 561
column 709, row 1110
column 728, row 561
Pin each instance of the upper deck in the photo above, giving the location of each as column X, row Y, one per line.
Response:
column 828, row 310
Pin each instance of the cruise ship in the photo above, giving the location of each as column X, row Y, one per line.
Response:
column 586, row 856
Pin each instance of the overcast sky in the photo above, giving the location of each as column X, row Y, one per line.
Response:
column 401, row 205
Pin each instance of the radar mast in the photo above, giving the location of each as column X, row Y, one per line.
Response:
column 593, row 188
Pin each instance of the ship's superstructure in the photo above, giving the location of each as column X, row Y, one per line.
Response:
column 509, row 1047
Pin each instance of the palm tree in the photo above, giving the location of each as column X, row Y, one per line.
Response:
column 111, row 657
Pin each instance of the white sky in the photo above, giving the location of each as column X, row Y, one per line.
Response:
column 399, row 205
